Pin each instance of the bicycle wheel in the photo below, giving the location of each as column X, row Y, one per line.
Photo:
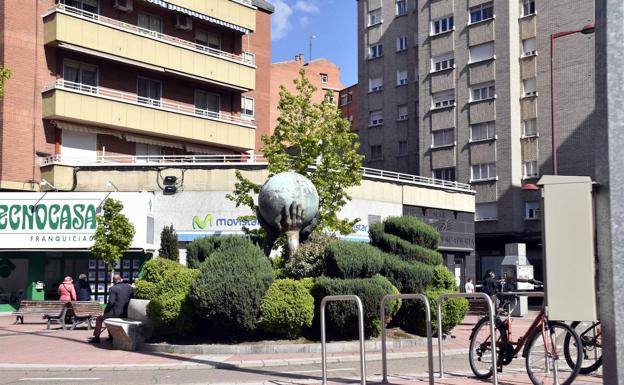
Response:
column 591, row 338
column 544, row 355
column 480, row 353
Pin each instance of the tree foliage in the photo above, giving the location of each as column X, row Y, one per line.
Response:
column 169, row 244
column 313, row 140
column 113, row 235
column 5, row 74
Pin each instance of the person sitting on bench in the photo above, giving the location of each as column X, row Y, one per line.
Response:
column 119, row 296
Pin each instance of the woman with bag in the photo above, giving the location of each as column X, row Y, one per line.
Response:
column 66, row 290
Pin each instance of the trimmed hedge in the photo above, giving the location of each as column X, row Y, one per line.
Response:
column 412, row 314
column 230, row 287
column 413, row 230
column 342, row 317
column 344, row 259
column 391, row 243
column 408, row 277
column 167, row 284
column 287, row 308
column 201, row 248
column 308, row 260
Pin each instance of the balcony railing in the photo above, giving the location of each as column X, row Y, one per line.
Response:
column 246, row 58
column 236, row 160
column 100, row 92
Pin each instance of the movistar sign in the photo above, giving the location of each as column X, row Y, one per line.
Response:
column 46, row 216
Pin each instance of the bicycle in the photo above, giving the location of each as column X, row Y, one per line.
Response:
column 590, row 334
column 541, row 346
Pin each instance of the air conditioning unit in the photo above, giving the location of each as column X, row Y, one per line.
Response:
column 123, row 5
column 183, row 22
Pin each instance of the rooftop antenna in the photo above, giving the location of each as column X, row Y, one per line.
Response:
column 311, row 38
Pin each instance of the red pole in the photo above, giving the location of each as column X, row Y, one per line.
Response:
column 552, row 105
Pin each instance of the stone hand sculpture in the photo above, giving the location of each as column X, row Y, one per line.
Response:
column 288, row 204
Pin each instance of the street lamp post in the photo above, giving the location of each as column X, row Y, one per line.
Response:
column 586, row 30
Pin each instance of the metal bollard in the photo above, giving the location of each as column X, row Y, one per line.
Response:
column 382, row 311
column 361, row 333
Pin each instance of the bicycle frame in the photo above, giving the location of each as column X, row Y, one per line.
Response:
column 539, row 321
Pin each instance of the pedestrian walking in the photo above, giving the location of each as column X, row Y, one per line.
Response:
column 469, row 287
column 83, row 289
column 66, row 290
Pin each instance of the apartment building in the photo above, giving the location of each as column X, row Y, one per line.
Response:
column 322, row 73
column 460, row 90
column 100, row 79
column 348, row 104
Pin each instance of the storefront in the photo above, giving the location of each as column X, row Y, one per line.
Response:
column 46, row 236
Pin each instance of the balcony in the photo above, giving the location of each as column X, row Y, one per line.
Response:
column 238, row 12
column 129, row 112
column 77, row 30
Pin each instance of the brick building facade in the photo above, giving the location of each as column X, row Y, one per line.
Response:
column 348, row 104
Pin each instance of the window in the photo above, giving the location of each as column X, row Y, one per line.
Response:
column 401, row 43
column 330, row 98
column 484, row 171
column 207, row 103
column 80, row 76
column 343, row 100
column 247, row 106
column 529, row 87
column 443, row 99
column 150, row 23
column 443, row 138
column 376, row 118
column 324, row 78
column 482, row 92
column 415, row 39
column 375, row 51
column 481, row 13
column 444, row 174
column 402, row 147
column 375, row 84
column 529, row 47
column 530, row 169
column 481, row 52
column 208, row 39
column 529, row 127
column 85, row 5
column 402, row 112
column 149, row 91
column 442, row 62
column 442, row 25
column 376, row 152
column 486, row 211
column 528, row 7
column 402, row 78
column 401, row 7
column 482, row 131
column 531, row 210
column 374, row 17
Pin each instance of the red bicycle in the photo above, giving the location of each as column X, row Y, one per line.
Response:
column 542, row 346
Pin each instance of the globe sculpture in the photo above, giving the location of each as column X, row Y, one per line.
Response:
column 288, row 203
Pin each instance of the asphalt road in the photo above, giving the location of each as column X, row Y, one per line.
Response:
column 284, row 374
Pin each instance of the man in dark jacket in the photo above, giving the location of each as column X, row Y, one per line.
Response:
column 490, row 286
column 117, row 307
column 83, row 289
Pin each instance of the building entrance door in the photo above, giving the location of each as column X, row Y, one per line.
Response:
column 460, row 273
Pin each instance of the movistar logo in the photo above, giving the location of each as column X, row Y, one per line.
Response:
column 198, row 223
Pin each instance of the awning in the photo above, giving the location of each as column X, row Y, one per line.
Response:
column 207, row 150
column 89, row 130
column 152, row 141
column 201, row 16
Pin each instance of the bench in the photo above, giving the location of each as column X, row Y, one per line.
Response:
column 52, row 311
column 477, row 307
column 129, row 333
column 85, row 311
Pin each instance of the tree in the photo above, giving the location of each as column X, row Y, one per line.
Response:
column 169, row 244
column 113, row 235
column 311, row 139
column 5, row 74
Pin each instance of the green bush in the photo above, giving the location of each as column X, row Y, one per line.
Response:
column 408, row 277
column 199, row 249
column 443, row 278
column 412, row 313
column 342, row 317
column 408, row 251
column 413, row 230
column 308, row 260
column 230, row 287
column 344, row 259
column 167, row 284
column 287, row 307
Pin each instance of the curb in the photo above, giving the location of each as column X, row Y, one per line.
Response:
column 209, row 365
column 332, row 347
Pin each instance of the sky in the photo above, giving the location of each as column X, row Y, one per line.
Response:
column 333, row 22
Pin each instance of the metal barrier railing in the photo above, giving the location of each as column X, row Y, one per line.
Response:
column 382, row 312
column 358, row 301
column 492, row 328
